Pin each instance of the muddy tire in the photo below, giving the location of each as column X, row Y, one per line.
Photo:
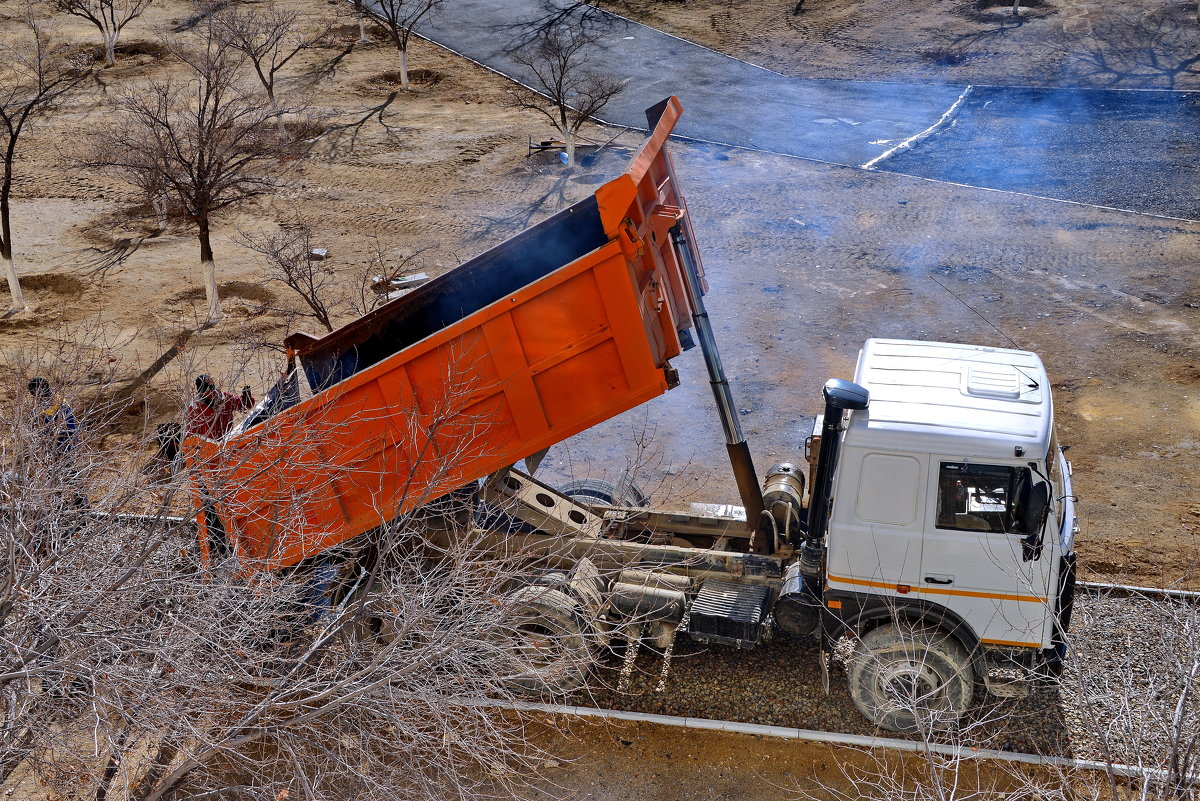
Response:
column 549, row 641
column 591, row 491
column 905, row 678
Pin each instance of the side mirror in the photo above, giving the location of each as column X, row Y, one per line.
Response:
column 1031, row 520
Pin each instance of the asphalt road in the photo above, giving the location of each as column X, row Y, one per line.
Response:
column 1128, row 149
column 726, row 100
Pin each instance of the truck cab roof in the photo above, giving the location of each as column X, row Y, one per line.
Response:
column 960, row 400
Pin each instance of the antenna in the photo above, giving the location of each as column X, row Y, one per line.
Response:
column 1012, row 341
column 1033, row 382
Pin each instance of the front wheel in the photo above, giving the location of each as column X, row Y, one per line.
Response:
column 910, row 678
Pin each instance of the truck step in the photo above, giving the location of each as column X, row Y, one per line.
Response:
column 729, row 613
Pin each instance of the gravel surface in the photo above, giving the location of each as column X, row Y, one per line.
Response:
column 1132, row 655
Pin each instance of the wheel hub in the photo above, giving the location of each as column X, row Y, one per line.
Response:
column 908, row 684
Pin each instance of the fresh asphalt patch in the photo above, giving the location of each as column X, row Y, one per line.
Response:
column 1127, row 150
column 725, row 100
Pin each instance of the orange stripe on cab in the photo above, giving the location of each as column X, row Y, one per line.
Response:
column 886, row 585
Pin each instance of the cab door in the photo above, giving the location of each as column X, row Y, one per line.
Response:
column 972, row 560
column 875, row 531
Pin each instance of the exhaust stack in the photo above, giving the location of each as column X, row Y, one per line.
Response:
column 840, row 396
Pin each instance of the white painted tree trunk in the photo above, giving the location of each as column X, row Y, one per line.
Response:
column 159, row 202
column 210, row 290
column 570, row 141
column 14, row 286
column 278, row 116
column 404, row 68
column 110, row 49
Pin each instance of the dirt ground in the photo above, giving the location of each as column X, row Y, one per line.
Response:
column 635, row 761
column 1139, row 44
column 805, row 261
column 409, row 181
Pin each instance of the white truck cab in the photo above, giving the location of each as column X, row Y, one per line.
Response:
column 951, row 502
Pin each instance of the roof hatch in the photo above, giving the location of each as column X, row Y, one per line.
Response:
column 993, row 381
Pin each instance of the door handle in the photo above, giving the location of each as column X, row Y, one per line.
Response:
column 939, row 579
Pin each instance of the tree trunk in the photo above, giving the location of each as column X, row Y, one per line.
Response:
column 404, row 68
column 209, row 268
column 159, row 203
column 110, row 49
column 14, row 284
column 569, row 137
column 1016, row 9
column 167, row 751
column 278, row 114
column 10, row 269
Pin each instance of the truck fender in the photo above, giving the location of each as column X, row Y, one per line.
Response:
column 859, row 614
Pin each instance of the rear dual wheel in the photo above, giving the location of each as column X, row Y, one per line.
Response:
column 549, row 641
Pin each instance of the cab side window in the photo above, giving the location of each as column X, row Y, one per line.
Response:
column 978, row 497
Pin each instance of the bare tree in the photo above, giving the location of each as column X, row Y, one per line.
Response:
column 109, row 16
column 35, row 76
column 291, row 260
column 1135, row 677
column 133, row 666
column 360, row 14
column 565, row 88
column 398, row 19
column 202, row 145
column 269, row 37
column 378, row 276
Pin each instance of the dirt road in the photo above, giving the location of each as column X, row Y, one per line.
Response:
column 807, row 261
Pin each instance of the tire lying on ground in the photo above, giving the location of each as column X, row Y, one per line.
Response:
column 906, row 678
column 593, row 491
column 548, row 639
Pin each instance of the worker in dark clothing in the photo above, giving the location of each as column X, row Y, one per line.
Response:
column 54, row 422
column 55, row 436
column 210, row 415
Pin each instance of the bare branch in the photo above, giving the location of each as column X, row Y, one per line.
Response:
column 35, row 76
column 270, row 37
column 195, row 148
column 109, row 16
column 565, row 89
column 132, row 666
column 291, row 260
column 398, row 19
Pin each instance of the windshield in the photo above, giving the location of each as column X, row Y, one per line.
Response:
column 1055, row 474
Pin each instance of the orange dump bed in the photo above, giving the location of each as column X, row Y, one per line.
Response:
column 565, row 325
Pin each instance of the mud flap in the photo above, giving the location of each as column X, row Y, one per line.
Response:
column 825, row 672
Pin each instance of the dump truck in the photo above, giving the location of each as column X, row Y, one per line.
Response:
column 932, row 525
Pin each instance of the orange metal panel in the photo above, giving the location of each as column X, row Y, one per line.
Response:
column 532, row 366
